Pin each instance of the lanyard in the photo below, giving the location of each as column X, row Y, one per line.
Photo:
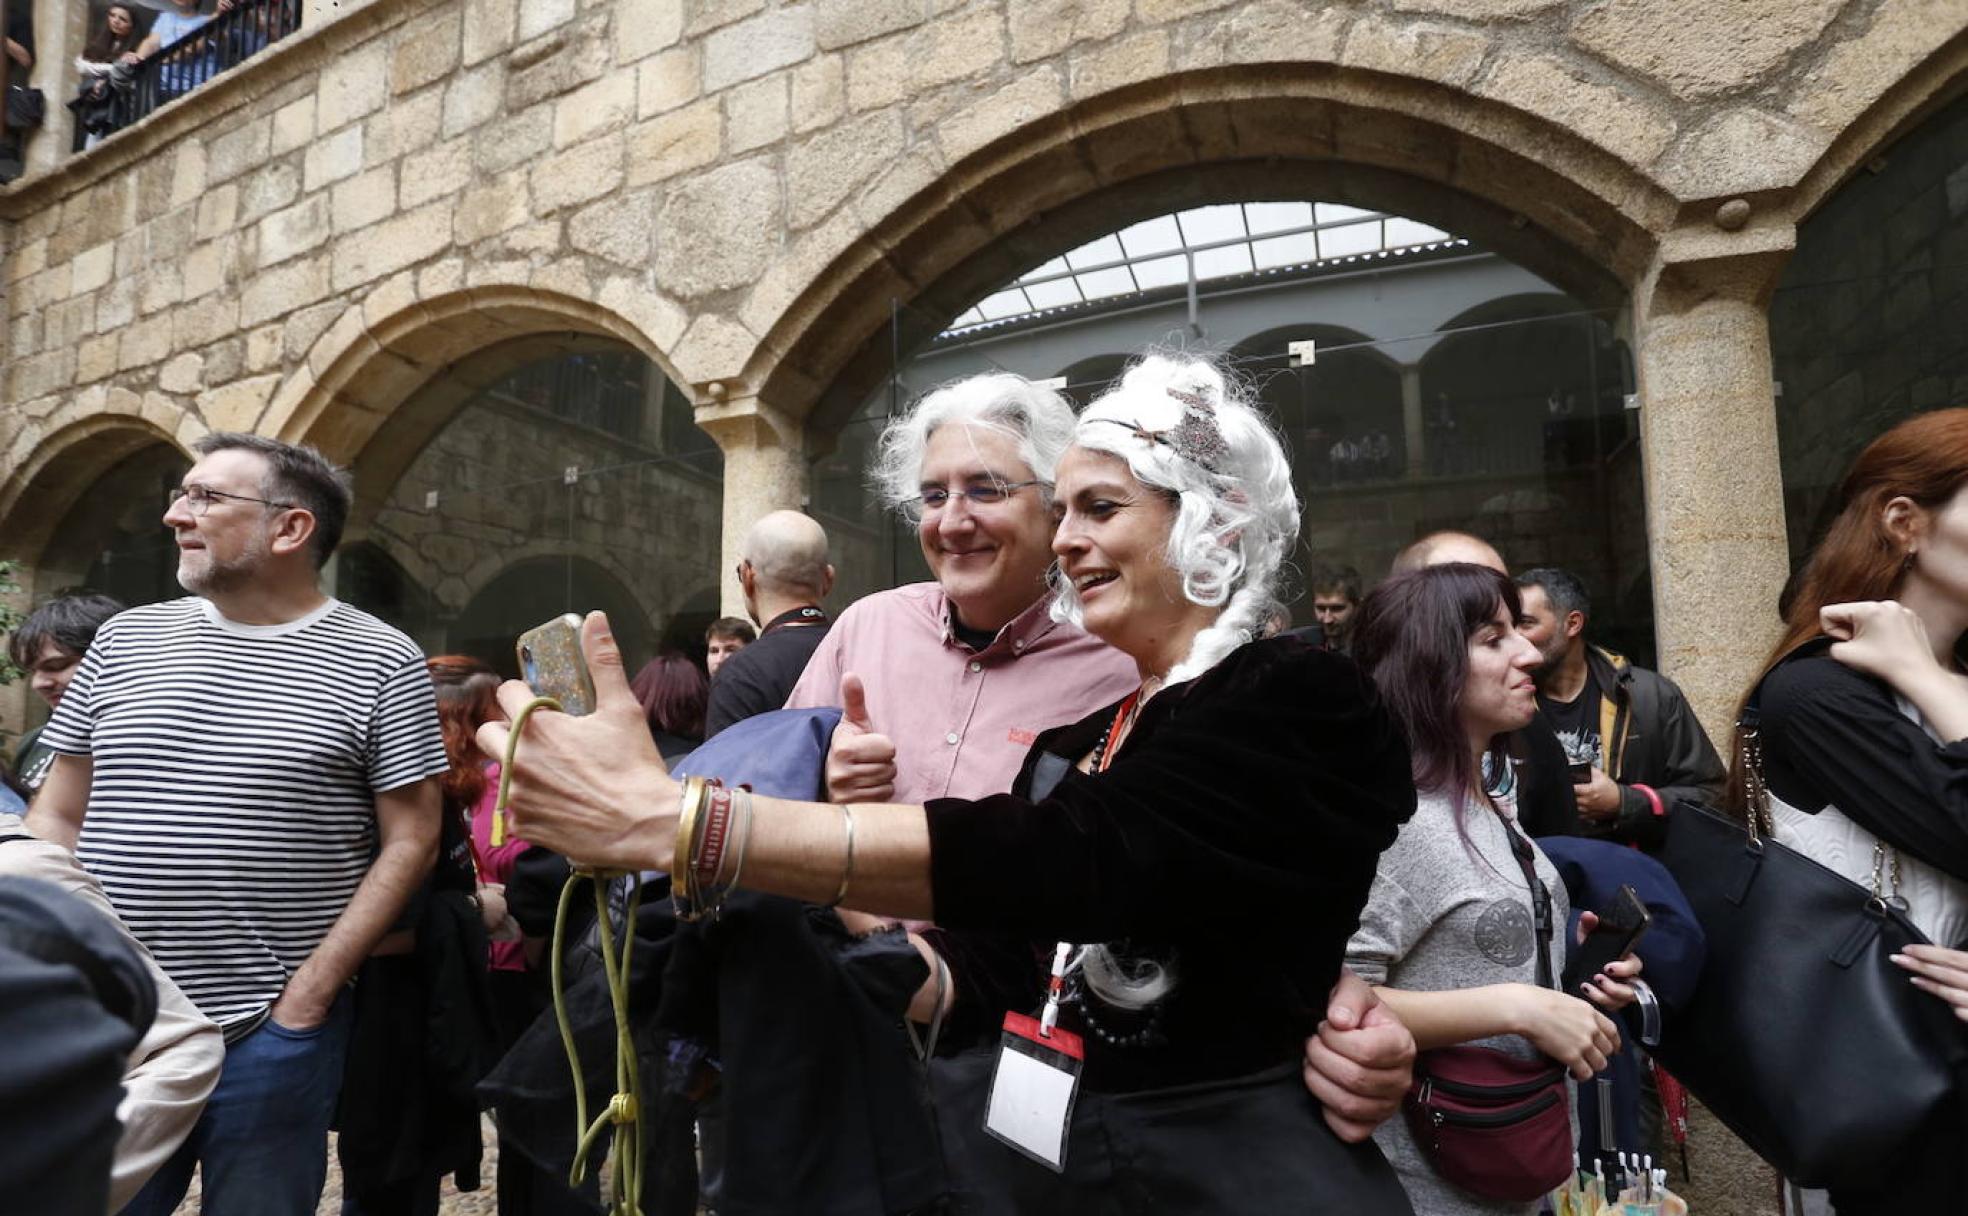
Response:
column 1103, row 756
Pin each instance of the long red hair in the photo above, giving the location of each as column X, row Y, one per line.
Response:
column 1924, row 459
column 466, row 699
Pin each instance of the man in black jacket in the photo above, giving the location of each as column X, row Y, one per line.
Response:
column 1635, row 746
column 784, row 576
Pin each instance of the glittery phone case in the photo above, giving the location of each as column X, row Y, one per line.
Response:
column 551, row 663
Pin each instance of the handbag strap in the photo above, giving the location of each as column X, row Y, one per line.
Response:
column 1762, row 822
column 1541, row 907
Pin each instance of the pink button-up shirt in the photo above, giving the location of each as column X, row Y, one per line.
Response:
column 961, row 721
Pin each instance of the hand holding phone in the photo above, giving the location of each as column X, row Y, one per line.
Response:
column 551, row 663
column 1620, row 928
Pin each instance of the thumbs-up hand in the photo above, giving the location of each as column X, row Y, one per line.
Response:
column 860, row 761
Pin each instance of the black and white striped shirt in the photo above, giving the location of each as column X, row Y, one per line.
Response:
column 232, row 812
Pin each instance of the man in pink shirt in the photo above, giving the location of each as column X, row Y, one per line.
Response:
column 945, row 685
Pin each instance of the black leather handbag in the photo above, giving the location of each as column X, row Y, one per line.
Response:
column 1802, row 1036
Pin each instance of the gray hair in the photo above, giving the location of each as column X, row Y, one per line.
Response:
column 1237, row 514
column 1038, row 418
column 1185, row 429
column 1562, row 588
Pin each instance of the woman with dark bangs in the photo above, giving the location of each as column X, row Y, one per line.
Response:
column 1862, row 723
column 1463, row 905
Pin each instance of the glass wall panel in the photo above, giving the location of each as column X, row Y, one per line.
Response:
column 566, row 482
column 1866, row 325
column 1450, row 389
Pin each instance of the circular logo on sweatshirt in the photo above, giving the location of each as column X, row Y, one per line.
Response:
column 1503, row 932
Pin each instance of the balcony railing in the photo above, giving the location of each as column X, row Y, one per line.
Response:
column 129, row 92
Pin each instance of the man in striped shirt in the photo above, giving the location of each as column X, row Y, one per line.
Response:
column 251, row 772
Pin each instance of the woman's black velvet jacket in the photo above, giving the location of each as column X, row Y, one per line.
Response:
column 1235, row 832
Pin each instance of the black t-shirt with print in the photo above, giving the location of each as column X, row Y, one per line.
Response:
column 1577, row 723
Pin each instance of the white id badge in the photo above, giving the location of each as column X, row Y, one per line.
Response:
column 1032, row 1089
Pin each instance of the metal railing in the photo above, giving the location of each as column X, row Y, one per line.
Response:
column 129, row 92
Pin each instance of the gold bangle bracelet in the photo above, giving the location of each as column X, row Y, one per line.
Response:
column 847, row 870
column 689, row 806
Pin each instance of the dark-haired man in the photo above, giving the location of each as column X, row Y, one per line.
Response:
column 1636, row 748
column 1335, row 594
column 726, row 637
column 48, row 646
column 257, row 764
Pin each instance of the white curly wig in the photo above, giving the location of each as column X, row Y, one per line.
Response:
column 1185, row 428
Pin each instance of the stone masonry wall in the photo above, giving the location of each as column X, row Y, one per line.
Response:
column 696, row 167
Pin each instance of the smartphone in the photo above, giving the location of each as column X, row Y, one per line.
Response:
column 1581, row 771
column 551, row 663
column 1620, row 928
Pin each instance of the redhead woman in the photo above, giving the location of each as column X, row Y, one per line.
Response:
column 1463, row 931
column 1156, row 910
column 1863, row 721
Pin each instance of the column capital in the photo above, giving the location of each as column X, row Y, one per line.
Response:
column 747, row 424
column 1697, row 262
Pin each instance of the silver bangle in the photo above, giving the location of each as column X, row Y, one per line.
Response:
column 847, row 871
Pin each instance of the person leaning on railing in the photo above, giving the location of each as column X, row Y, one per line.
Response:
column 188, row 66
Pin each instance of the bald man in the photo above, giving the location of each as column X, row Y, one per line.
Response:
column 1546, row 803
column 785, row 575
column 1441, row 548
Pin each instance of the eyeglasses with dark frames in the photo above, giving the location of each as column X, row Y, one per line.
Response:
column 983, row 494
column 199, row 499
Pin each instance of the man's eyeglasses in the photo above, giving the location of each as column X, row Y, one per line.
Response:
column 983, row 494
column 199, row 499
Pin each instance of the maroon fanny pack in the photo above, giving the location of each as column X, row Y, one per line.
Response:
column 1491, row 1123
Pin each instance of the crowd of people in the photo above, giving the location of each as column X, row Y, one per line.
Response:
column 1193, row 910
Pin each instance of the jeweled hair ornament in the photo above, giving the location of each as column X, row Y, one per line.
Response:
column 1195, row 437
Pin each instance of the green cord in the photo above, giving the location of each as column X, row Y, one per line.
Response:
column 625, row 1108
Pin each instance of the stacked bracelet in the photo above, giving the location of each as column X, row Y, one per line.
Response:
column 689, row 807
column 714, row 831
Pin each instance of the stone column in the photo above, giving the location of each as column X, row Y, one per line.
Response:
column 1708, row 423
column 1414, row 425
column 764, row 470
column 60, row 30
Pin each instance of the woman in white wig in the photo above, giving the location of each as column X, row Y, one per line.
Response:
column 1133, row 943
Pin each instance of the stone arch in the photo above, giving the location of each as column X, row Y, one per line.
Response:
column 1271, row 342
column 71, row 456
column 1494, row 324
column 377, row 355
column 502, row 576
column 1572, row 211
column 1938, row 75
column 1085, row 377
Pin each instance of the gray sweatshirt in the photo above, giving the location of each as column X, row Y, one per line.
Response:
column 1447, row 914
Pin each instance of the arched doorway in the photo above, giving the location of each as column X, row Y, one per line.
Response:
column 539, row 589
column 1346, row 323
column 542, row 474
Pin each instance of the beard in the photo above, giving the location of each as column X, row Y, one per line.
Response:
column 215, row 576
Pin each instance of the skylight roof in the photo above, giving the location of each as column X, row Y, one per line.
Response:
column 1223, row 241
